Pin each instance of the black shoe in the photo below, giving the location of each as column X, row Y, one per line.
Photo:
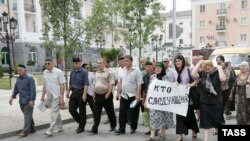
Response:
column 112, row 129
column 32, row 131
column 79, row 130
column 147, row 133
column 93, row 132
column 119, row 132
column 132, row 131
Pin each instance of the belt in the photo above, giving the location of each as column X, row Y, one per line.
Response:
column 75, row 89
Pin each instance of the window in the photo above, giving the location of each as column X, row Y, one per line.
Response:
column 202, row 24
column 243, row 4
column 5, row 59
column 181, row 23
column 181, row 41
column 243, row 21
column 2, row 2
column 202, row 8
column 243, row 38
column 33, row 54
column 202, row 39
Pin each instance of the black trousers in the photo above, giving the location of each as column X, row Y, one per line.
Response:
column 91, row 103
column 134, row 113
column 76, row 102
column 108, row 105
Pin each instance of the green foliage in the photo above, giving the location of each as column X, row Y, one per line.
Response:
column 110, row 54
column 58, row 15
column 31, row 63
column 90, row 66
column 1, row 71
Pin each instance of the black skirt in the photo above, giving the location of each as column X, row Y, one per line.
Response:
column 210, row 115
column 188, row 122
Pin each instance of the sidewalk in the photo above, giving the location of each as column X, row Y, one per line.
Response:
column 12, row 117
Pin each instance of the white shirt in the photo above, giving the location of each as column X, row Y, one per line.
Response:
column 52, row 81
column 91, row 85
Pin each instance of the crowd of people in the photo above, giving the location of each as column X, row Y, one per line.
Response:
column 214, row 93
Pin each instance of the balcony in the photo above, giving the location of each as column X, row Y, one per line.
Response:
column 29, row 8
column 221, row 12
column 221, row 43
column 220, row 28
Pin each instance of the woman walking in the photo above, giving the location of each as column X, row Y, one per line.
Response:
column 183, row 76
column 242, row 102
column 159, row 119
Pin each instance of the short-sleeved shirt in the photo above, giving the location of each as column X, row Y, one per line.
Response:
column 205, row 97
column 91, row 85
column 78, row 79
column 102, row 80
column 52, row 81
column 130, row 81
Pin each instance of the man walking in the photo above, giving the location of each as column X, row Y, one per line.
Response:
column 129, row 89
column 53, row 87
column 103, row 84
column 78, row 84
column 25, row 87
column 90, row 87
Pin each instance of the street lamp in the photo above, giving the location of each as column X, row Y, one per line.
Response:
column 100, row 42
column 180, row 48
column 205, row 50
column 130, row 47
column 7, row 38
column 156, row 42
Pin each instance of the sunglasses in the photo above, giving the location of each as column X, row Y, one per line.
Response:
column 165, row 61
column 87, row 67
column 47, row 63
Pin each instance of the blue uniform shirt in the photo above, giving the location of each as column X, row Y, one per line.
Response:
column 78, row 79
column 25, row 87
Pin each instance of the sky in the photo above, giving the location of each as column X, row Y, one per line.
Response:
column 180, row 5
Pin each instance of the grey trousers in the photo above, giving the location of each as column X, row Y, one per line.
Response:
column 29, row 124
column 56, row 122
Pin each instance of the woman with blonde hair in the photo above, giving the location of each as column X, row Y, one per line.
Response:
column 242, row 102
column 211, row 107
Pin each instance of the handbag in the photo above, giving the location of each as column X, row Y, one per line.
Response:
column 248, row 89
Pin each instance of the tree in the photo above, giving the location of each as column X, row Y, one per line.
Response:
column 135, row 19
column 110, row 54
column 60, row 18
column 138, row 21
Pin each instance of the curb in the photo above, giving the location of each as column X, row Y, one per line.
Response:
column 46, row 125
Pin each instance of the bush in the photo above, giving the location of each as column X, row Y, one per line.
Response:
column 31, row 63
column 1, row 71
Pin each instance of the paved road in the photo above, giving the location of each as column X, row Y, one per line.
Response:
column 104, row 135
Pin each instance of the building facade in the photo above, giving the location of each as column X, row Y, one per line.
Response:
column 28, row 43
column 220, row 23
column 183, row 33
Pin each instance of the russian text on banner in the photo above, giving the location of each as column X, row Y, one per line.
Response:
column 166, row 96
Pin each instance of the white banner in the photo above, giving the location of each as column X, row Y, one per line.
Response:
column 166, row 96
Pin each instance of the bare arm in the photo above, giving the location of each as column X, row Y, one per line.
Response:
column 195, row 73
column 138, row 92
column 84, row 96
column 222, row 75
column 62, row 88
column 43, row 92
